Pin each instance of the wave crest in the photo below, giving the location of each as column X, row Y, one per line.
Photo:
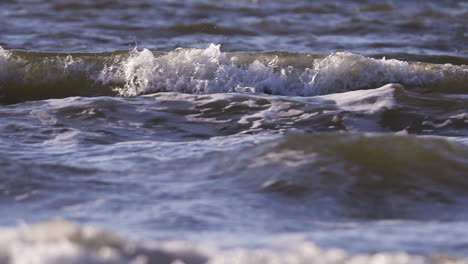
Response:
column 32, row 76
column 209, row 70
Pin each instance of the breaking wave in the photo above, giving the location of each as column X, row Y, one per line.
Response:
column 32, row 75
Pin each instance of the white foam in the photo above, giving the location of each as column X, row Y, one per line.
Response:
column 367, row 101
column 4, row 53
column 186, row 70
column 209, row 70
column 59, row 241
column 4, row 56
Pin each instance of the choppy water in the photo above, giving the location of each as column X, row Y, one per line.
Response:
column 233, row 131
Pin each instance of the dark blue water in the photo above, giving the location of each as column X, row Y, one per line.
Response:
column 233, row 131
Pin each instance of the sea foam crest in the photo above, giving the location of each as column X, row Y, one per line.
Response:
column 187, row 70
column 209, row 70
column 343, row 71
column 4, row 55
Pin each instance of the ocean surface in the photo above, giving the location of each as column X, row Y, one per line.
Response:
column 233, row 131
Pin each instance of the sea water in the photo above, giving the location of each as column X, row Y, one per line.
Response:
column 246, row 131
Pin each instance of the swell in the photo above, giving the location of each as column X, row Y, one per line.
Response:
column 332, row 175
column 367, row 176
column 34, row 75
column 182, row 117
column 27, row 76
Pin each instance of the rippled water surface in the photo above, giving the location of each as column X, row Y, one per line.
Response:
column 366, row 27
column 241, row 131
